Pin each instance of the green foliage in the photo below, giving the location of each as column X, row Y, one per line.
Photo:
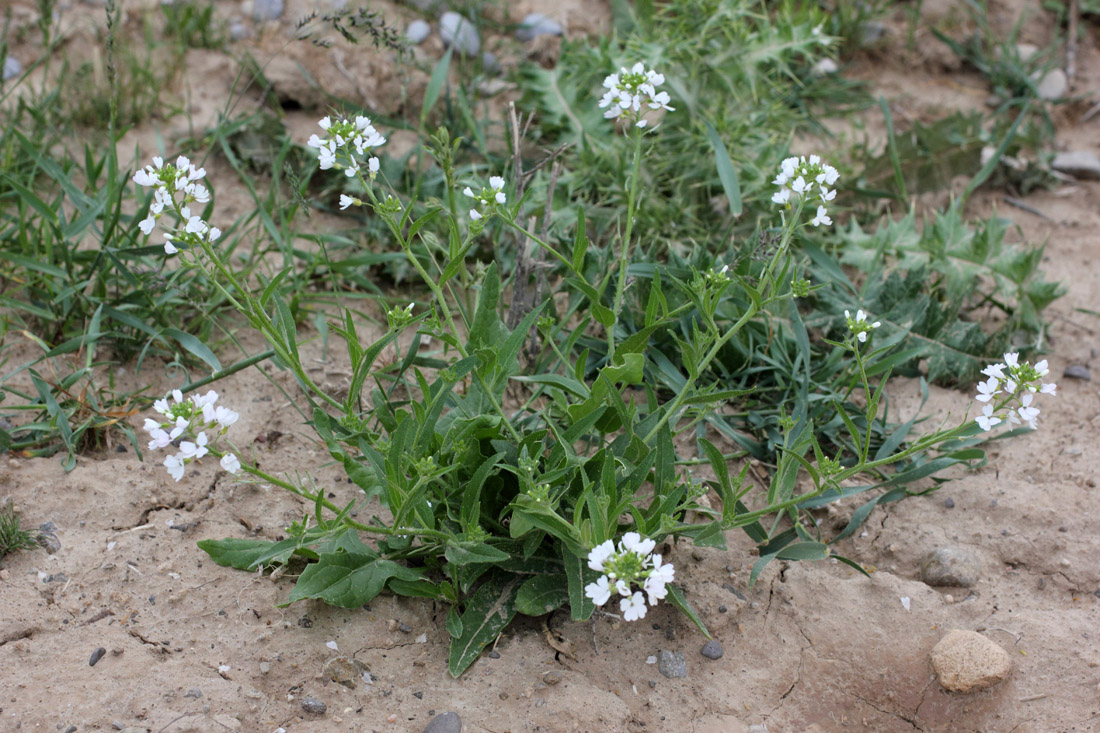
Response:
column 13, row 538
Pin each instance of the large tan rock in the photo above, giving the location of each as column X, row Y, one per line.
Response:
column 966, row 661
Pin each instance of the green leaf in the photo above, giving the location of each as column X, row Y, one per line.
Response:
column 489, row 610
column 240, row 553
column 726, row 174
column 578, row 575
column 676, row 598
column 347, row 580
column 194, row 346
column 470, row 553
column 454, row 622
column 542, row 594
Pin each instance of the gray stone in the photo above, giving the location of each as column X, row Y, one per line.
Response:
column 193, row 692
column 949, row 503
column 417, row 31
column 489, row 63
column 1078, row 163
column 950, row 566
column 823, row 67
column 47, row 537
column 966, row 661
column 1024, row 51
column 314, row 706
column 672, row 664
column 1053, row 85
column 445, row 723
column 267, row 10
column 1077, row 371
column 460, row 33
column 238, row 30
column 265, row 667
column 12, row 67
column 537, row 24
column 712, row 649
column 345, row 671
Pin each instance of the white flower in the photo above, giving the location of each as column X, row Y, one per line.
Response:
column 1012, row 360
column 1028, row 414
column 225, row 417
column 782, row 196
column 986, row 420
column 147, row 225
column 160, row 439
column 198, row 449
column 1049, row 388
column 658, row 578
column 627, row 91
column 822, row 217
column 169, row 248
column 175, row 466
column 230, row 463
column 346, row 201
column 599, row 554
column 987, row 389
column 633, row 541
column 1041, row 368
column 599, row 591
column 373, row 165
column 475, row 214
column 995, row 370
column 633, row 608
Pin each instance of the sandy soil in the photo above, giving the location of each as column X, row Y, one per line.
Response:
column 810, row 647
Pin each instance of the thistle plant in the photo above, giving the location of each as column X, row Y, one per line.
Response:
column 564, row 497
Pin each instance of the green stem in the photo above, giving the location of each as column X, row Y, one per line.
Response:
column 624, row 254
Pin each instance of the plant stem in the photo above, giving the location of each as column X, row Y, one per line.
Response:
column 624, row 254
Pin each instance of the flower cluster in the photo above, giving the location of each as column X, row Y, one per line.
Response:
column 633, row 564
column 1017, row 383
column 168, row 182
column 796, row 179
column 348, row 141
column 184, row 424
column 627, row 91
column 859, row 325
column 488, row 197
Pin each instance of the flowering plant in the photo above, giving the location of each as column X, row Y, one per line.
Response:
column 577, row 492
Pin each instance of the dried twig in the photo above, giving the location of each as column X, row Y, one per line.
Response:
column 1026, row 207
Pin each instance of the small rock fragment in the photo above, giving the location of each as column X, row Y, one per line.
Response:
column 265, row 667
column 1077, row 163
column 1053, row 85
column 417, row 31
column 96, row 656
column 445, row 723
column 457, row 31
column 949, row 503
column 966, row 661
column 1078, row 371
column 552, row 677
column 950, row 566
column 47, row 537
column 671, row 664
column 712, row 649
column 489, row 63
column 266, row 10
column 193, row 692
column 12, row 67
column 345, row 671
column 238, row 31
column 537, row 24
column 1026, row 50
column 314, row 706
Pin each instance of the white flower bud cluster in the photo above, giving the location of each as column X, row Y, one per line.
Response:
column 633, row 564
column 1018, row 384
column 169, row 182
column 188, row 421
column 628, row 91
column 798, row 177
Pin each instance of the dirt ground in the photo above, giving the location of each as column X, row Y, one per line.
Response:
column 190, row 646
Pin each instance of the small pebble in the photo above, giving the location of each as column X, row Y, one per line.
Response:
column 266, row 10
column 1053, row 85
column 552, row 677
column 313, row 705
column 966, row 661
column 489, row 63
column 494, row 654
column 265, row 667
column 1078, row 371
column 96, row 656
column 418, row 695
column 460, row 33
column 671, row 664
column 193, row 692
column 949, row 503
column 722, row 609
column 653, row 684
column 537, row 24
column 950, row 566
column 444, row 723
column 12, row 68
column 417, row 31
column 712, row 649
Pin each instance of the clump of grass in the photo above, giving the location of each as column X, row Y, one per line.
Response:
column 13, row 538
